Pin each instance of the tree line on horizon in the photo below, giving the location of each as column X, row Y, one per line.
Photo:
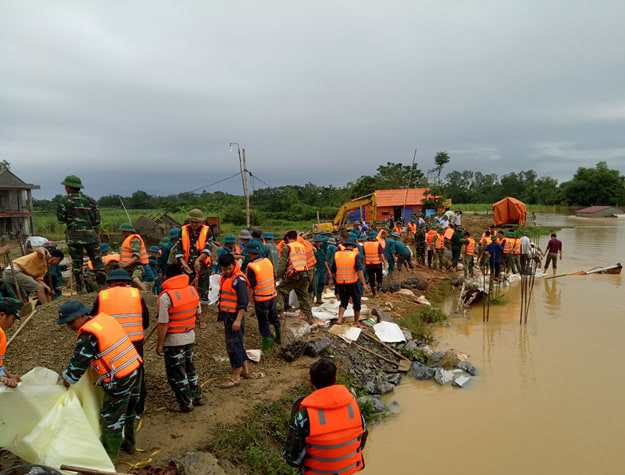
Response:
column 589, row 186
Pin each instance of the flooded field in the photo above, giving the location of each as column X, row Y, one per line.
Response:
column 548, row 398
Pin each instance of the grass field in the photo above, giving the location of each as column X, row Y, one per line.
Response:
column 47, row 225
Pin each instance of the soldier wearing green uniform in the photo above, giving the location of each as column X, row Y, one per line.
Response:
column 271, row 251
column 456, row 246
column 419, row 237
column 81, row 216
column 321, row 273
column 389, row 253
column 121, row 395
column 297, row 280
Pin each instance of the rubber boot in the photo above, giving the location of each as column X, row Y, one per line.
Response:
column 112, row 443
column 78, row 282
column 267, row 345
column 130, row 437
column 100, row 278
column 278, row 335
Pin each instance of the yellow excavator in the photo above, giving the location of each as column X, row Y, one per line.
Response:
column 340, row 219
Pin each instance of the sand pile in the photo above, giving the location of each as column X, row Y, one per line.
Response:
column 44, row 343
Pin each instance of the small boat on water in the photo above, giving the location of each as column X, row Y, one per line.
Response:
column 615, row 269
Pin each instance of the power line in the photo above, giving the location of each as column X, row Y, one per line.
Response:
column 263, row 182
column 215, row 183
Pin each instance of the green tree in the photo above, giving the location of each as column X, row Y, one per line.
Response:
column 389, row 177
column 441, row 159
column 595, row 186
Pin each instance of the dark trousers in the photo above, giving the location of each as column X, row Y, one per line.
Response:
column 495, row 268
column 267, row 315
column 143, row 390
column 95, row 256
column 234, row 340
column 430, row 257
column 181, row 374
column 404, row 260
column 375, row 277
column 347, row 291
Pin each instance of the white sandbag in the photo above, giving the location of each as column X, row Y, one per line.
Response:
column 293, row 302
column 213, row 290
column 389, row 332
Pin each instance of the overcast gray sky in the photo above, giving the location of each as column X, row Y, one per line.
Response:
column 148, row 94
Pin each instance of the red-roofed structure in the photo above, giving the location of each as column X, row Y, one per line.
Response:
column 598, row 212
column 392, row 203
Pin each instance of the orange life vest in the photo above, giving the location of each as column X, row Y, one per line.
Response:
column 469, row 248
column 398, row 228
column 3, row 347
column 346, row 267
column 265, row 284
column 333, row 443
column 508, row 246
column 297, row 259
column 517, row 247
column 117, row 357
column 184, row 303
column 449, row 232
column 485, row 241
column 107, row 259
column 440, row 242
column 372, row 253
column 124, row 305
column 429, row 237
column 185, row 240
column 126, row 252
column 311, row 260
column 227, row 293
column 413, row 227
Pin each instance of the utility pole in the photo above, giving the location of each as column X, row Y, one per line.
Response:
column 247, row 190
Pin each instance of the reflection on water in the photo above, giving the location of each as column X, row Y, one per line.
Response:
column 548, row 398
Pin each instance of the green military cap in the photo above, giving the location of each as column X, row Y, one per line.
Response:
column 318, row 238
column 395, row 234
column 372, row 235
column 174, row 233
column 164, row 242
column 252, row 247
column 127, row 228
column 154, row 249
column 350, row 242
column 196, row 215
column 72, row 181
column 71, row 310
column 230, row 239
column 104, row 247
column 269, row 235
column 441, row 230
column 11, row 306
column 118, row 275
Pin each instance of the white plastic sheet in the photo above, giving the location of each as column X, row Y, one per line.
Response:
column 348, row 334
column 389, row 332
column 43, row 423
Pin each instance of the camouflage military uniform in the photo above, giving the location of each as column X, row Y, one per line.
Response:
column 81, row 215
column 294, row 450
column 136, row 270
column 203, row 278
column 420, row 245
column 117, row 416
column 298, row 282
column 181, row 374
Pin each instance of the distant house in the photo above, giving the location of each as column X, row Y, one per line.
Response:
column 395, row 203
column 599, row 212
column 16, row 205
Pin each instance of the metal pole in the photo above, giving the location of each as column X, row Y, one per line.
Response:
column 247, row 191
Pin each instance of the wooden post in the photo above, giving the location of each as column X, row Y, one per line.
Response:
column 247, row 190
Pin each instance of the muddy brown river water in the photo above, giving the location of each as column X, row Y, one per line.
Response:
column 549, row 397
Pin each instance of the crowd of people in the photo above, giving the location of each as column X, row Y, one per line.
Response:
column 256, row 270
